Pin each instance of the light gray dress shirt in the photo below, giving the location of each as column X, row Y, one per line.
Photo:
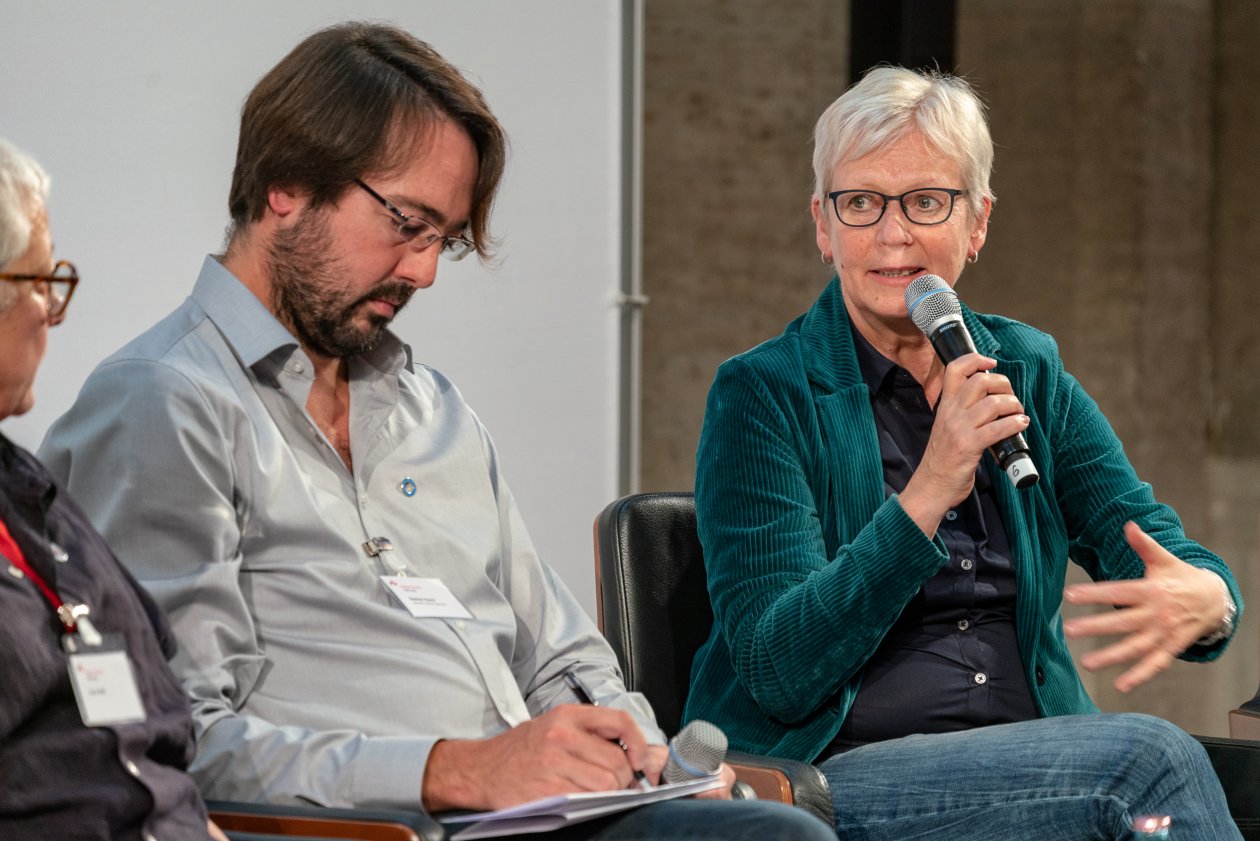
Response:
column 192, row 451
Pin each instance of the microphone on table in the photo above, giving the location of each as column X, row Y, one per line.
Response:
column 934, row 308
column 698, row 751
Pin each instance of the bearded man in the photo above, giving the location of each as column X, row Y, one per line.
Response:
column 362, row 619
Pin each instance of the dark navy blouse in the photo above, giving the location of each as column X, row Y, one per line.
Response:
column 951, row 662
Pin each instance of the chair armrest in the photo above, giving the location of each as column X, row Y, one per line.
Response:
column 786, row 781
column 315, row 822
column 1244, row 723
column 1237, row 764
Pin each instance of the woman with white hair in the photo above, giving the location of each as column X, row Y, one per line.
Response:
column 886, row 603
column 95, row 733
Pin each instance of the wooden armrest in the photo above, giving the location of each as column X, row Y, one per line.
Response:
column 314, row 822
column 1244, row 723
column 768, row 783
column 786, row 781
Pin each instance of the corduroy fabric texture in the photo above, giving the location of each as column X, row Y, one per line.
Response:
column 809, row 565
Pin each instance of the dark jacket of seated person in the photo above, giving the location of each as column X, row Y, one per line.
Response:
column 58, row 777
column 95, row 734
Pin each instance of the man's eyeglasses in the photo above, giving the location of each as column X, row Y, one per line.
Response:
column 421, row 234
column 924, row 206
column 56, row 287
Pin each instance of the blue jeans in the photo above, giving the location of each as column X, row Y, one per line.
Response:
column 1060, row 779
column 700, row 820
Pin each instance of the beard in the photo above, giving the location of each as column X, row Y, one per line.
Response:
column 309, row 298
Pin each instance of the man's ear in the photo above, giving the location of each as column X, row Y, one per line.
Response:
column 283, row 200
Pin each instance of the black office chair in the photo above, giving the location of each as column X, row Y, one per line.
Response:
column 654, row 609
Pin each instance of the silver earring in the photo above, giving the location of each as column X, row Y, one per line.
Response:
column 826, row 258
column 973, row 257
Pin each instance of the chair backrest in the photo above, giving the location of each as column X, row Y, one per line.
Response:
column 653, row 601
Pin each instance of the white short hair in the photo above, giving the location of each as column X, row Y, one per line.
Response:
column 23, row 192
column 889, row 103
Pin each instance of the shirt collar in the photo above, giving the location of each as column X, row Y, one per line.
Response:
column 875, row 367
column 22, row 479
column 255, row 335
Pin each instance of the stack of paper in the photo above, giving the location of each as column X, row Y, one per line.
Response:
column 554, row 812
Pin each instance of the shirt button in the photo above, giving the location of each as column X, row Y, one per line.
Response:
column 132, row 769
column 967, row 563
column 15, row 572
column 981, row 678
column 963, row 624
column 298, row 367
column 951, row 515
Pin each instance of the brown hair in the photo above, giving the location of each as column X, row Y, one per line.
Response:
column 342, row 104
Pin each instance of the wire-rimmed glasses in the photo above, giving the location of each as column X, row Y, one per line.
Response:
column 421, row 233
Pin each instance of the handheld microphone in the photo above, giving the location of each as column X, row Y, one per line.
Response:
column 933, row 307
column 698, row 751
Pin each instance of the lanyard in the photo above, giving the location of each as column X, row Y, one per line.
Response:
column 72, row 616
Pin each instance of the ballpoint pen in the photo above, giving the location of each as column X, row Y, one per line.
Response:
column 580, row 690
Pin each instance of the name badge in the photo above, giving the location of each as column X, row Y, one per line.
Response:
column 425, row 598
column 105, row 688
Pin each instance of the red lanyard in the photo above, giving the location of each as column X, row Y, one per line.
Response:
column 10, row 549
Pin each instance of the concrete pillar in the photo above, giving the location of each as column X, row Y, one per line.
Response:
column 1235, row 300
column 732, row 89
column 1104, row 236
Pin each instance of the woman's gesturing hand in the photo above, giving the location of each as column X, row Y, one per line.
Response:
column 1157, row 616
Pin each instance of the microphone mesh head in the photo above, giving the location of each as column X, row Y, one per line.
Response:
column 929, row 299
column 696, row 751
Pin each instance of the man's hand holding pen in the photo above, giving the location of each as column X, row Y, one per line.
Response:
column 571, row 748
column 658, row 755
column 584, row 696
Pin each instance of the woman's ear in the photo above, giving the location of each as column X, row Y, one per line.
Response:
column 980, row 231
column 822, row 230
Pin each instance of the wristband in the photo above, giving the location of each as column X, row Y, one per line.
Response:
column 1226, row 627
